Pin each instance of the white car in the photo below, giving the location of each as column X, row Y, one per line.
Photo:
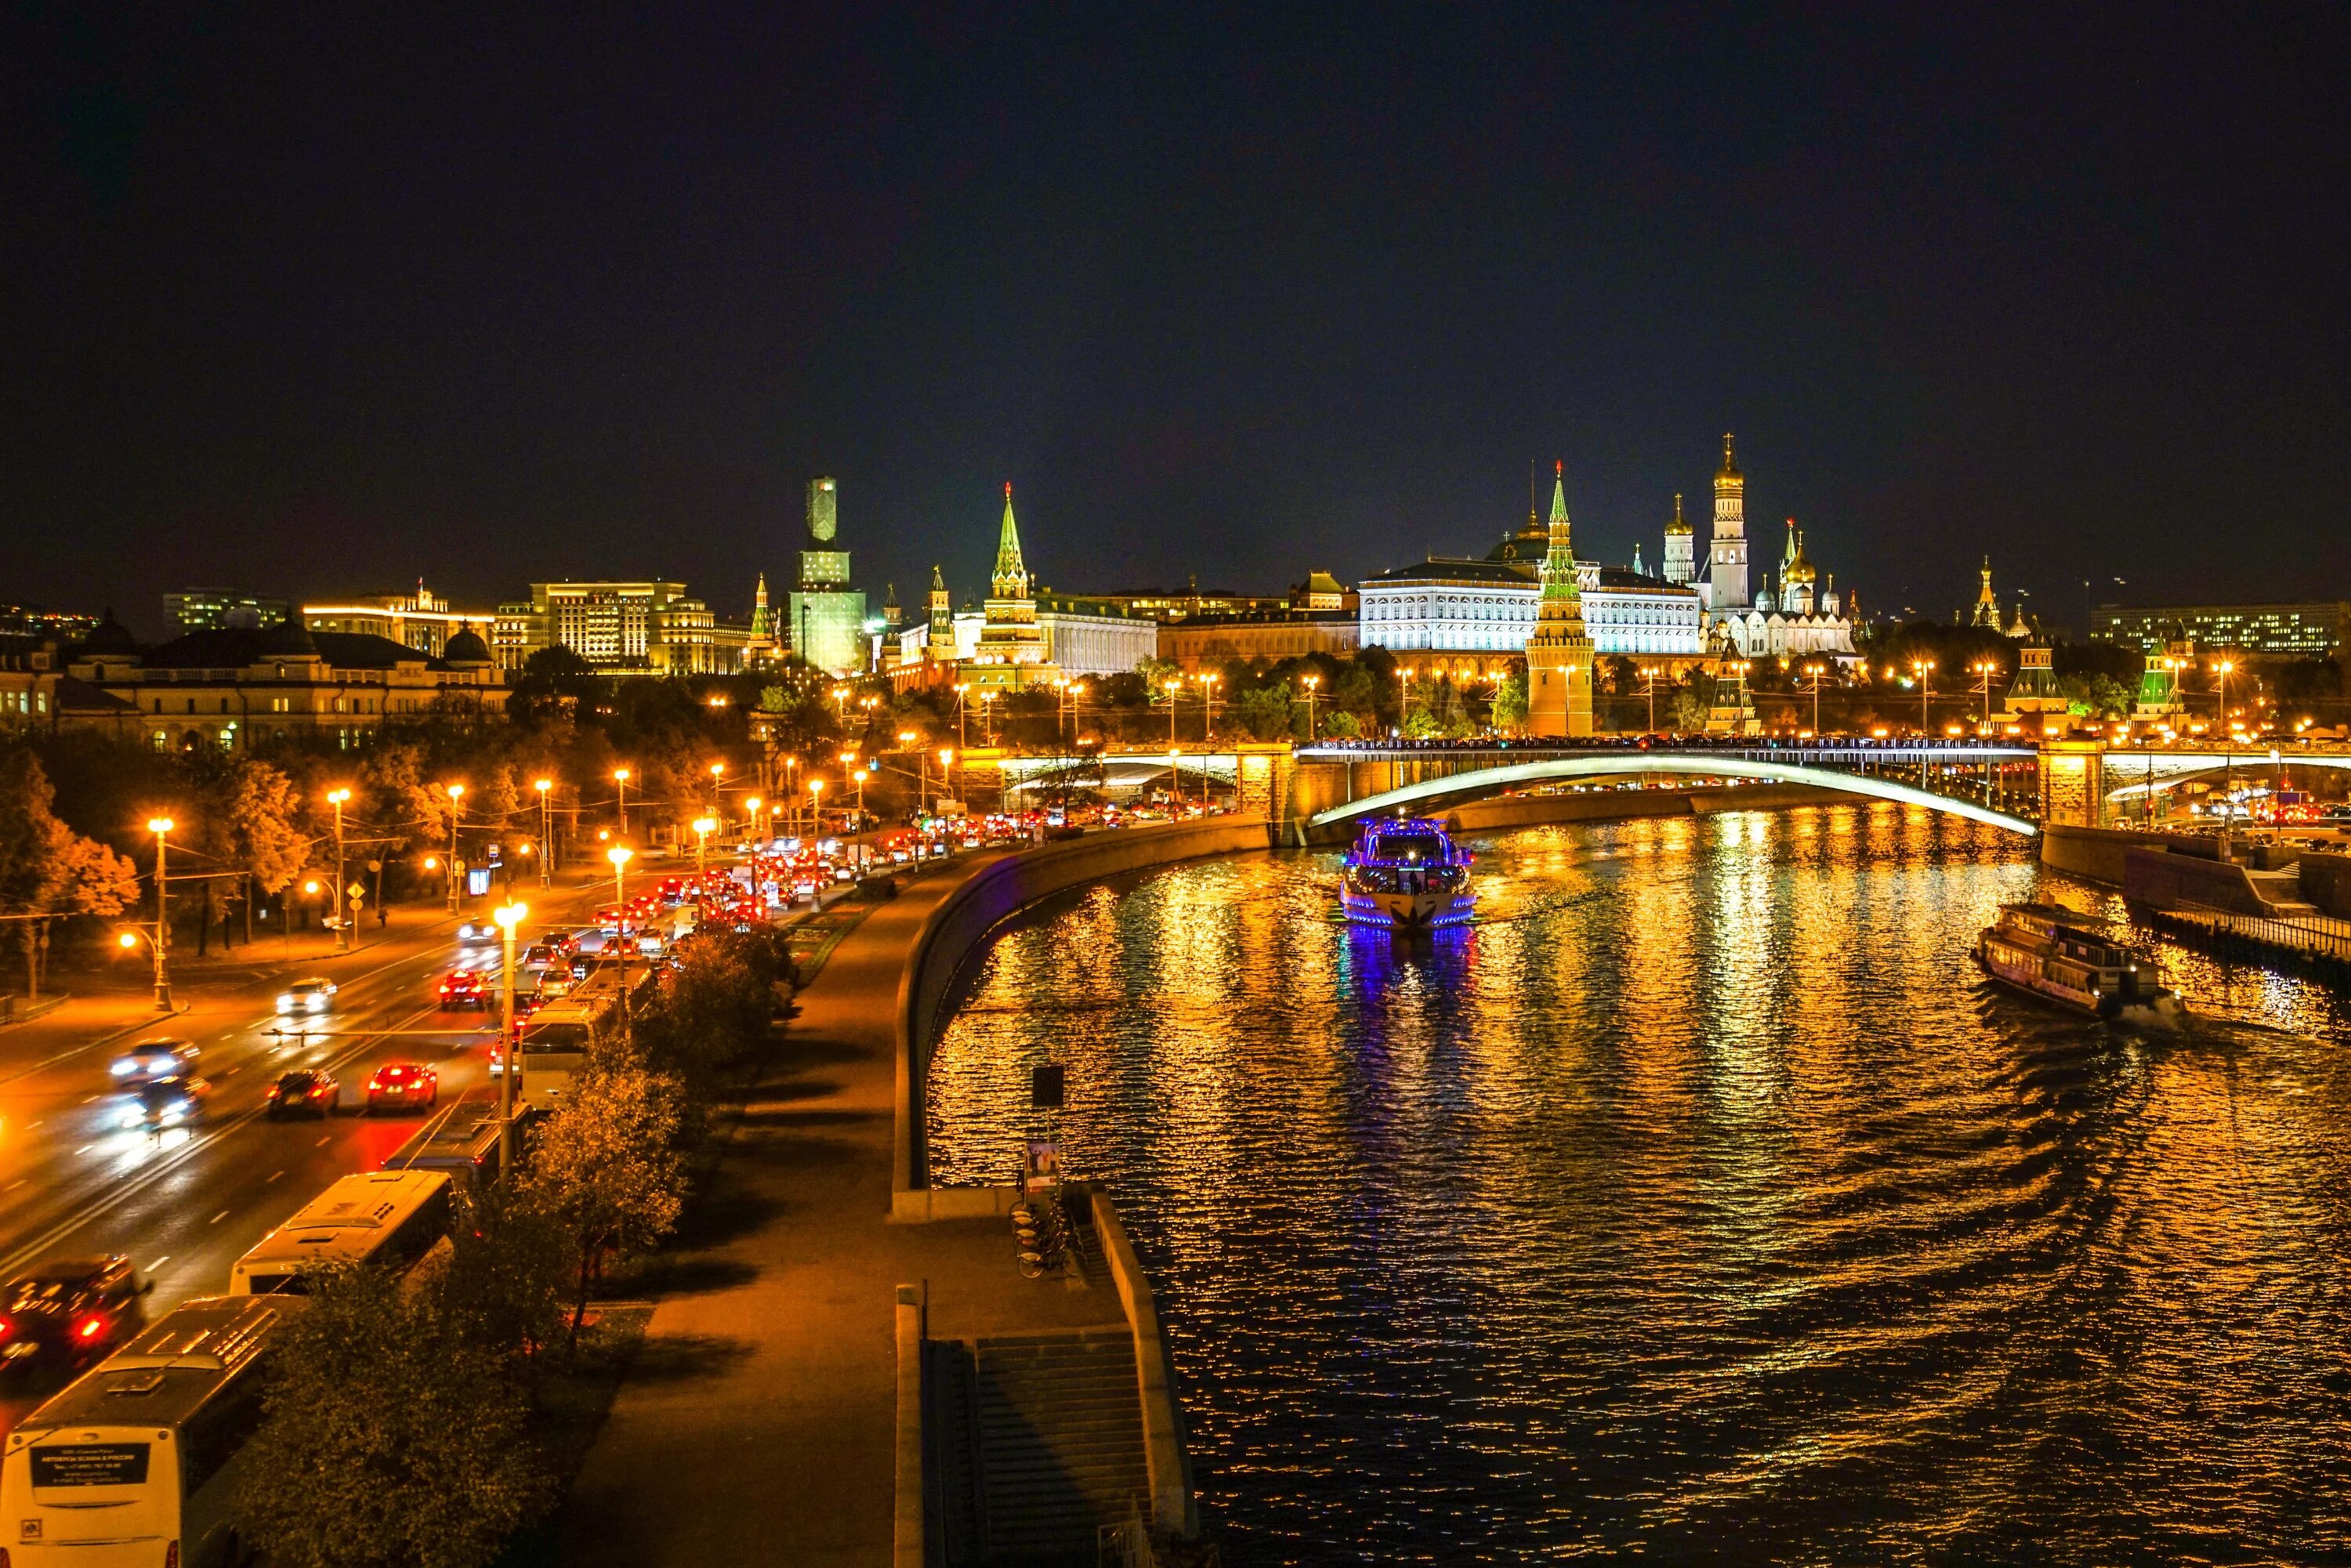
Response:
column 150, row 1059
column 476, row 931
column 315, row 996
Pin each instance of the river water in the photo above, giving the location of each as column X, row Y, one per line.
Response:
column 1698, row 1203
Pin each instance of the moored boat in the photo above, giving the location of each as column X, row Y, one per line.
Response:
column 2056, row 954
column 1406, row 873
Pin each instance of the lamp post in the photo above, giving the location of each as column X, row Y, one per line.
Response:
column 2222, row 668
column 1208, row 717
column 1925, row 669
column 859, row 776
column 1173, row 687
column 1310, row 683
column 162, row 828
column 816, row 808
column 620, row 856
column 509, row 916
column 791, row 795
column 702, row 826
column 1985, row 669
column 1815, row 677
column 546, row 833
column 456, row 793
column 962, row 738
column 621, row 776
column 1649, row 689
column 335, row 798
column 988, row 714
column 947, row 760
column 751, row 813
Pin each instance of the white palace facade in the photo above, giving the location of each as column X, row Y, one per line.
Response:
column 1486, row 604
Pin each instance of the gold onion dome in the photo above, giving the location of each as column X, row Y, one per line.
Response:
column 1676, row 526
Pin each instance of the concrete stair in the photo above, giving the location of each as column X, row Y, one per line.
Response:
column 1040, row 1444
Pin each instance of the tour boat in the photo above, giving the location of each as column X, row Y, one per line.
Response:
column 1409, row 875
column 2052, row 952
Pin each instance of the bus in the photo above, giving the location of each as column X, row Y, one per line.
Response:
column 137, row 1461
column 462, row 1143
column 555, row 1042
column 393, row 1219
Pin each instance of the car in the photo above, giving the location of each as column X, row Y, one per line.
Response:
column 304, row 1091
column 408, row 1085
column 471, row 931
column 154, row 1059
column 463, row 988
column 545, row 956
column 312, row 996
column 70, row 1311
column 163, row 1103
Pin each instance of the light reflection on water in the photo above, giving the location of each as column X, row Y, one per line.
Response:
column 1699, row 1201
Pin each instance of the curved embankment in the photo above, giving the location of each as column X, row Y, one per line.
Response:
column 959, row 926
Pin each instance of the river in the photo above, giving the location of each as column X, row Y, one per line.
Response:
column 1698, row 1204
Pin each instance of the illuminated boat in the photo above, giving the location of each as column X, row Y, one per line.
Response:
column 1409, row 875
column 2049, row 952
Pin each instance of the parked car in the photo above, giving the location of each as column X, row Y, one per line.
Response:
column 405, row 1085
column 304, row 1091
column 154, row 1059
column 70, row 1311
column 463, row 988
column 312, row 996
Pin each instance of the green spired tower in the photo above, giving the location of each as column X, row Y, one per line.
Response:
column 1559, row 651
column 1012, row 651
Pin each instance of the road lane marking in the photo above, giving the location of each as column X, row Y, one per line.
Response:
column 273, row 1179
column 159, row 1262
column 94, row 1099
column 217, row 1219
column 85, row 1148
column 322, row 1143
column 14, row 1185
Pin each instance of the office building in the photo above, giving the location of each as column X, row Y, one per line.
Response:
column 2316, row 629
column 214, row 609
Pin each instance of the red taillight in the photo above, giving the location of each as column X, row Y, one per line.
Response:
column 6, row 1328
column 319, row 1093
column 89, row 1327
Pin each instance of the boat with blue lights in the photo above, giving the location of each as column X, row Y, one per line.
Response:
column 1406, row 873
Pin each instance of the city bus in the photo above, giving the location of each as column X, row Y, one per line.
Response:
column 393, row 1219
column 137, row 1461
column 556, row 1041
column 462, row 1143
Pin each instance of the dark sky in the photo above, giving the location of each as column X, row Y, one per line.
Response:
column 318, row 300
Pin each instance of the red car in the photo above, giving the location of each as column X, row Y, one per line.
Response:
column 464, row 988
column 407, row 1085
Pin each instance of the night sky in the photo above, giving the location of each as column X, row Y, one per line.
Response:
column 318, row 302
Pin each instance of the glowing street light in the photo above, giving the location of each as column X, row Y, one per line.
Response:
column 621, row 776
column 162, row 828
column 335, row 798
column 1310, row 683
column 703, row 827
column 546, row 832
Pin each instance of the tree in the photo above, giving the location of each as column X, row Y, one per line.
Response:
column 503, row 1287
column 1419, row 724
column 48, row 870
column 258, row 815
column 1510, row 701
column 606, row 1162
column 389, row 1437
column 714, row 1002
column 1341, row 726
column 1265, row 711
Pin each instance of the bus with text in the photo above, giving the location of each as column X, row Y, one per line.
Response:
column 394, row 1219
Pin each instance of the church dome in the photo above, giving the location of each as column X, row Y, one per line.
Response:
column 1677, row 526
column 111, row 638
column 466, row 647
column 289, row 638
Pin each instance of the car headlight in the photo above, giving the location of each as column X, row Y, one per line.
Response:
column 286, row 1004
column 125, row 1068
column 317, row 1004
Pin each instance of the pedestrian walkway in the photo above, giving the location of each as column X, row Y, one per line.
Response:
column 759, row 1423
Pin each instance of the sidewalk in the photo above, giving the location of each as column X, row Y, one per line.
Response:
column 757, row 1425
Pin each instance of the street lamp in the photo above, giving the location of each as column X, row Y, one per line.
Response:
column 816, row 810
column 988, row 714
column 457, row 823
column 1815, row 677
column 620, row 856
column 1923, row 668
column 1310, row 683
column 546, row 833
column 947, row 760
column 162, row 828
column 335, row 798
column 702, row 827
column 1173, row 687
column 859, row 776
column 962, row 738
column 751, row 811
column 1649, row 674
column 621, row 776
column 1208, row 718
column 509, row 916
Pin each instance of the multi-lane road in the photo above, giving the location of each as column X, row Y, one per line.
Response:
column 80, row 1176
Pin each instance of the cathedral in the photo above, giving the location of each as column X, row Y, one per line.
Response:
column 1803, row 616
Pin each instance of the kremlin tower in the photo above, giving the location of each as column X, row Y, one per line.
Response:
column 1729, row 554
column 1558, row 652
column 1680, row 561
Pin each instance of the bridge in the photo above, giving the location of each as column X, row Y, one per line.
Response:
column 1995, row 785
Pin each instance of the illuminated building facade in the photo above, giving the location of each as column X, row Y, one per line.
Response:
column 1559, row 652
column 422, row 619
column 648, row 628
column 2315, row 630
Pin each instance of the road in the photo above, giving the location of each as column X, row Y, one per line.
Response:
column 186, row 1203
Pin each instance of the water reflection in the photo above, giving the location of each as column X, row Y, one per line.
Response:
column 1697, row 1201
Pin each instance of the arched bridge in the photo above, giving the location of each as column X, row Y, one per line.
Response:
column 1956, row 779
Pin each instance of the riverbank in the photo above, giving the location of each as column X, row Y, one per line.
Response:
column 767, row 1417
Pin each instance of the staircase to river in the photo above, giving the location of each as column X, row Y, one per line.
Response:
column 1039, row 1444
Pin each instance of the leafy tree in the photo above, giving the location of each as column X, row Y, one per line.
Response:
column 714, row 1003
column 1155, row 674
column 257, row 826
column 503, row 1287
column 1341, row 726
column 48, row 870
column 606, row 1164
column 1509, row 711
column 1419, row 724
column 1266, row 712
column 389, row 1438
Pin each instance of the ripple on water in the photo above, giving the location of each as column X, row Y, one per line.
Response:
column 1698, row 1201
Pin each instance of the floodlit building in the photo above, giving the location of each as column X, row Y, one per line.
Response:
column 423, row 620
column 825, row 618
column 621, row 628
column 2314, row 630
column 211, row 609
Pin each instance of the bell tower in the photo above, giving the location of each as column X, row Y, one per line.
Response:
column 1559, row 649
column 1730, row 551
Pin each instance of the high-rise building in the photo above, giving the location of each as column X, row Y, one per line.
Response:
column 1729, row 552
column 827, row 616
column 220, row 609
column 1680, row 559
column 2310, row 631
column 1559, row 652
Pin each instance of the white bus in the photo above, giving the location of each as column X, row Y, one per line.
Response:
column 136, row 1461
column 393, row 1219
